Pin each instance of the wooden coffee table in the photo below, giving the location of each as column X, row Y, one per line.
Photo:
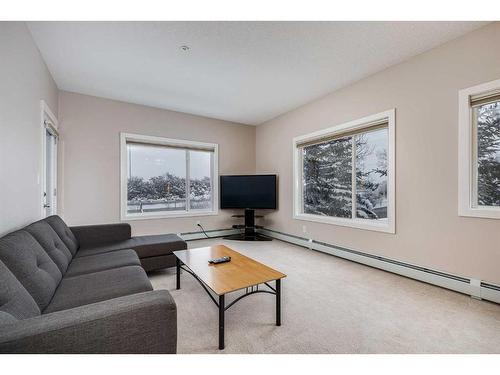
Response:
column 220, row 279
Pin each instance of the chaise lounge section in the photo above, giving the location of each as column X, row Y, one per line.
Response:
column 154, row 251
column 84, row 290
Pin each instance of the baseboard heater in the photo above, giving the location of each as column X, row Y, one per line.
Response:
column 473, row 287
column 213, row 233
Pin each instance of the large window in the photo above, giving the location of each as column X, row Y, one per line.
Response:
column 344, row 175
column 479, row 151
column 165, row 177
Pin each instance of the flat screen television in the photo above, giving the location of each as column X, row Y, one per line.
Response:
column 248, row 191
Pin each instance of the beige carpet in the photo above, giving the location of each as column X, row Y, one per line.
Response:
column 331, row 305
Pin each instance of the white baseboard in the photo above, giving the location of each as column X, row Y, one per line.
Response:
column 490, row 292
column 473, row 287
column 189, row 236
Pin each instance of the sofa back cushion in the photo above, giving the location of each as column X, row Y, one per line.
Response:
column 15, row 301
column 31, row 265
column 64, row 233
column 51, row 243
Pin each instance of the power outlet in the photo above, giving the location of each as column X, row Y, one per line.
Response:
column 304, row 229
column 198, row 222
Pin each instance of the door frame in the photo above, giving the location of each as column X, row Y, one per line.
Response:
column 48, row 122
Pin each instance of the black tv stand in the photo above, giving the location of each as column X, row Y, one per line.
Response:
column 249, row 233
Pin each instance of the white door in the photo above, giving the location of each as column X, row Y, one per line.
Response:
column 49, row 162
column 50, row 167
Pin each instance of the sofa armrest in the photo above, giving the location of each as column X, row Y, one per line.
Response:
column 95, row 235
column 139, row 323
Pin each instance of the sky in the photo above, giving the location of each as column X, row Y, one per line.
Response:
column 151, row 161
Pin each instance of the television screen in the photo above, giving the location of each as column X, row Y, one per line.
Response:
column 248, row 191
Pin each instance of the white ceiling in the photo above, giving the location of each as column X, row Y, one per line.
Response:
column 246, row 72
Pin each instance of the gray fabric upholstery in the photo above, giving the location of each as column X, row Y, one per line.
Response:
column 101, row 262
column 156, row 263
column 15, row 301
column 31, row 265
column 139, row 323
column 96, row 235
column 64, row 233
column 104, row 302
column 103, row 248
column 52, row 244
column 145, row 246
column 161, row 244
column 6, row 318
column 99, row 286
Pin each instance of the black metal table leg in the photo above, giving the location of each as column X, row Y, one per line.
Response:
column 221, row 321
column 221, row 303
column 278, row 302
column 178, row 275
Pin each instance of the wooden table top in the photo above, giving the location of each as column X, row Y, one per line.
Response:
column 241, row 272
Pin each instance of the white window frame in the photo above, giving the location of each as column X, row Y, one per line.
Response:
column 388, row 225
column 153, row 140
column 467, row 186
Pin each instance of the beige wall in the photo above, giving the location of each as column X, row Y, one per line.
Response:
column 424, row 91
column 90, row 157
column 24, row 81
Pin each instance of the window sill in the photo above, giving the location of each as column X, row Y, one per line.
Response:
column 385, row 226
column 171, row 215
column 483, row 212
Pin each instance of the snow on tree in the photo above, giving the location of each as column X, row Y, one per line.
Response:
column 488, row 154
column 371, row 182
column 166, row 187
column 327, row 178
column 200, row 188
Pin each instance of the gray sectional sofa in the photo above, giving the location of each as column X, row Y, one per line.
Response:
column 84, row 290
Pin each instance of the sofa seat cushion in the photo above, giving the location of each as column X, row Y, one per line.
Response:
column 145, row 246
column 103, row 249
column 99, row 286
column 102, row 262
column 156, row 263
column 30, row 264
column 156, row 245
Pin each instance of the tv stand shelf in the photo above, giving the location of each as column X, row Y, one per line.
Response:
column 242, row 226
column 249, row 227
column 257, row 216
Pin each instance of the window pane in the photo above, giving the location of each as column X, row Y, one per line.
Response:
column 488, row 154
column 371, row 174
column 156, row 179
column 200, row 186
column 327, row 178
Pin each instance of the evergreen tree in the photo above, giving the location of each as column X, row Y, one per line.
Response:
column 328, row 178
column 488, row 135
column 370, row 191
